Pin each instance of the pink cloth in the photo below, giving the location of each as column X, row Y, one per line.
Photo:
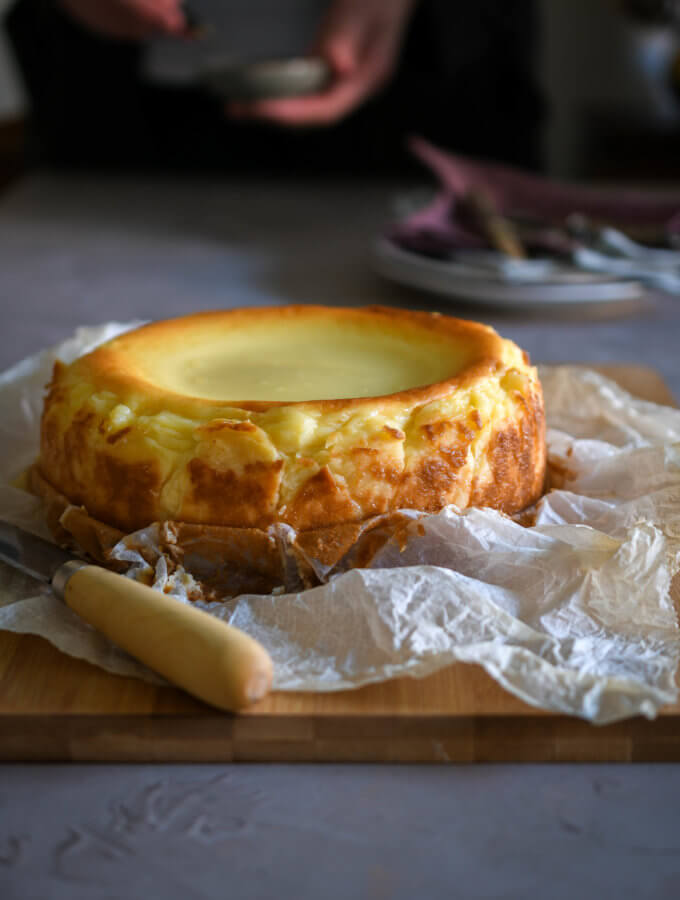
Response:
column 437, row 228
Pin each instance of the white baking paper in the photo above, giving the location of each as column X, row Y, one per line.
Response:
column 573, row 614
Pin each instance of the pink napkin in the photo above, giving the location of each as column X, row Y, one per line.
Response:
column 441, row 226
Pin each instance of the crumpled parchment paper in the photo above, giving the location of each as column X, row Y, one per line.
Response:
column 573, row 614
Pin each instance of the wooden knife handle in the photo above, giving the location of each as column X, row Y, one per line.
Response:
column 192, row 649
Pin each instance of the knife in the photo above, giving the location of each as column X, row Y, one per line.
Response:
column 208, row 658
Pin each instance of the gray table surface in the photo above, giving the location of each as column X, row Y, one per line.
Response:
column 87, row 250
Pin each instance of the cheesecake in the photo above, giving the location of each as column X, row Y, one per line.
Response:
column 307, row 416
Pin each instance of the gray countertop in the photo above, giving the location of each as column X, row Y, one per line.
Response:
column 339, row 832
column 79, row 251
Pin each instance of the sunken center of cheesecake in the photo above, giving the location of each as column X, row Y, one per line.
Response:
column 304, row 360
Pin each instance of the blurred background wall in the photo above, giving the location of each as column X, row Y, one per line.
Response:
column 613, row 111
column 12, row 102
column 608, row 80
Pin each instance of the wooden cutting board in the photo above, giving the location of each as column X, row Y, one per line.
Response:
column 54, row 707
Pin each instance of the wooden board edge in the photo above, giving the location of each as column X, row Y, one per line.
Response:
column 175, row 739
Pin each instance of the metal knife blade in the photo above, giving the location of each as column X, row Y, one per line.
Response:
column 30, row 554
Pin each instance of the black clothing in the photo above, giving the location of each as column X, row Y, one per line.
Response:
column 465, row 81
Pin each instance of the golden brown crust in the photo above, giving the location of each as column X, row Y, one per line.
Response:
column 134, row 454
column 226, row 561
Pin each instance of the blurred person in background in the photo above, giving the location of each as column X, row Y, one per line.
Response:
column 461, row 74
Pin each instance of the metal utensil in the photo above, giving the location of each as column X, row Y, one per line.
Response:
column 267, row 79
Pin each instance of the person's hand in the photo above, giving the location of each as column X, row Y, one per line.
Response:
column 133, row 20
column 360, row 40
